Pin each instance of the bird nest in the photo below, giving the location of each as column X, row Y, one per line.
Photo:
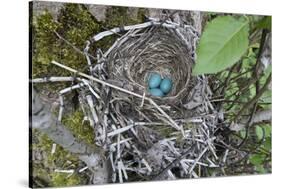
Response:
column 148, row 137
column 167, row 132
column 154, row 50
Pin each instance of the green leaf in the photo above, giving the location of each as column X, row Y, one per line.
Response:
column 256, row 159
column 267, row 144
column 222, row 44
column 260, row 169
column 265, row 23
column 259, row 132
column 267, row 130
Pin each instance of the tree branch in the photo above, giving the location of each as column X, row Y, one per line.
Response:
column 253, row 100
column 259, row 117
column 43, row 120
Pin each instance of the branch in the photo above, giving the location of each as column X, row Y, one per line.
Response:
column 43, row 120
column 52, row 79
column 259, row 117
column 253, row 100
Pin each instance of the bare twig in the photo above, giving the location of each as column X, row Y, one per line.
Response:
column 171, row 165
column 173, row 123
column 71, row 45
column 253, row 100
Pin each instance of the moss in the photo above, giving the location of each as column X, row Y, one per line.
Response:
column 63, row 179
column 44, row 41
column 142, row 14
column 82, row 132
column 76, row 25
column 60, row 156
column 43, row 171
column 117, row 16
column 61, row 159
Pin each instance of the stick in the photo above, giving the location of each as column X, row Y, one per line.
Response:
column 254, row 99
column 173, row 123
column 199, row 157
column 71, row 45
column 52, row 79
column 171, row 165
column 64, row 171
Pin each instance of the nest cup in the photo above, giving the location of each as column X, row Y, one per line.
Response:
column 157, row 49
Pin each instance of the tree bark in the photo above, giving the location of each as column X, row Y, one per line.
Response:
column 43, row 120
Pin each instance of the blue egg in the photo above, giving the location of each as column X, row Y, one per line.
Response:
column 166, row 85
column 154, row 80
column 156, row 92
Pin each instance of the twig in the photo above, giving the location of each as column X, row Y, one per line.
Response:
column 62, row 93
column 71, row 45
column 86, row 52
column 197, row 159
column 171, row 165
column 52, row 79
column 64, row 171
column 92, row 108
column 173, row 123
column 253, row 100
column 53, row 148
column 256, row 75
column 83, row 169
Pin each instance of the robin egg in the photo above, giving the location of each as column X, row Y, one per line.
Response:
column 166, row 85
column 156, row 92
column 154, row 80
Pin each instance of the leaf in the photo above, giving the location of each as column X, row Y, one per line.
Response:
column 260, row 169
column 259, row 132
column 267, row 144
column 223, row 42
column 267, row 130
column 256, row 159
column 265, row 23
